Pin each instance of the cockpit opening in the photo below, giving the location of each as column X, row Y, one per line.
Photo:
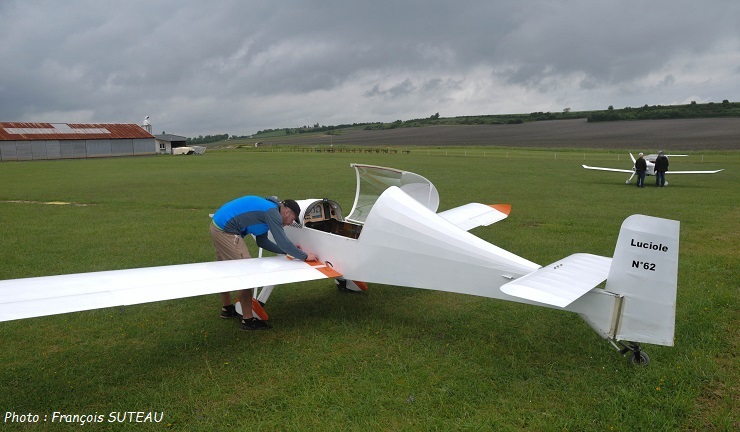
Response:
column 326, row 215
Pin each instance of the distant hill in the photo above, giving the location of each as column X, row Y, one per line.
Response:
column 655, row 112
column 710, row 126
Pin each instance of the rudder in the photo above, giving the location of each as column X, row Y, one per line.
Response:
column 644, row 271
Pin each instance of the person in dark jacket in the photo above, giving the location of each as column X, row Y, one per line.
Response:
column 661, row 166
column 640, row 168
column 253, row 215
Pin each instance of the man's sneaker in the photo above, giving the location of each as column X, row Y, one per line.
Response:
column 228, row 312
column 254, row 324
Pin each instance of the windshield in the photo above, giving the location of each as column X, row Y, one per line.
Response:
column 372, row 181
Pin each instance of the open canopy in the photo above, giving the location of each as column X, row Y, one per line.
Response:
column 372, row 181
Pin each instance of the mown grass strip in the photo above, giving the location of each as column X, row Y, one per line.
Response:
column 393, row 358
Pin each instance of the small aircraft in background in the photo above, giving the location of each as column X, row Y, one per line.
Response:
column 650, row 159
column 394, row 236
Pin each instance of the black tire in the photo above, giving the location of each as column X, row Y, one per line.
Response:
column 640, row 358
column 342, row 285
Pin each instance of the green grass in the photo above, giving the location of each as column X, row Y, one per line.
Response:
column 390, row 359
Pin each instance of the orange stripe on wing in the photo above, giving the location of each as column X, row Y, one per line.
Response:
column 503, row 208
column 324, row 268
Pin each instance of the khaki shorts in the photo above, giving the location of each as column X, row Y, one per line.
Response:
column 228, row 246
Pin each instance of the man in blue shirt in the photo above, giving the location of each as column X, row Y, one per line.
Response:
column 253, row 215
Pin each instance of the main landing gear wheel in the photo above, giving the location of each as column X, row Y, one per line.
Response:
column 348, row 286
column 342, row 285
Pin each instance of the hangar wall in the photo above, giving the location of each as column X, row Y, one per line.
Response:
column 74, row 149
column 41, row 141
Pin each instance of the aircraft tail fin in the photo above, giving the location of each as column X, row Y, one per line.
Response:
column 638, row 303
column 644, row 272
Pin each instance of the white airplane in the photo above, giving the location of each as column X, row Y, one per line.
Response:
column 394, row 236
column 650, row 171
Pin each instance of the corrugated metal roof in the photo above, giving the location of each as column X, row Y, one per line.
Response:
column 15, row 131
column 170, row 137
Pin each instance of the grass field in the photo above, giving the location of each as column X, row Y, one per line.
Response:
column 389, row 359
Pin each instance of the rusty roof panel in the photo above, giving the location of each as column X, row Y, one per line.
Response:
column 17, row 131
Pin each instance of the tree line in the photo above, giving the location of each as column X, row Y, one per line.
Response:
column 654, row 112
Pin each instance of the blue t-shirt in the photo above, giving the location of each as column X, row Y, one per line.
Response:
column 256, row 215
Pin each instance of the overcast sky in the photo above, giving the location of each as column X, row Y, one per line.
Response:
column 236, row 66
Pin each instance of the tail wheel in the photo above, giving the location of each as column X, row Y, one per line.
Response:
column 639, row 358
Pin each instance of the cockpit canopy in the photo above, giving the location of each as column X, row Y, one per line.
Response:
column 326, row 215
column 372, row 181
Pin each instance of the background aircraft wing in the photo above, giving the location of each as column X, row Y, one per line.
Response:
column 562, row 282
column 608, row 169
column 473, row 215
column 49, row 295
column 694, row 172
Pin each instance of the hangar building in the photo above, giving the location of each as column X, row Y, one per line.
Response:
column 41, row 141
column 168, row 142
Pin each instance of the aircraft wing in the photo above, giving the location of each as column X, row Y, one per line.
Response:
column 49, row 295
column 694, row 172
column 473, row 215
column 562, row 282
column 608, row 169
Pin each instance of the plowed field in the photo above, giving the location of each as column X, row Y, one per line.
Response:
column 688, row 134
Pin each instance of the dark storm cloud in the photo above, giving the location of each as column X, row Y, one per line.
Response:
column 236, row 66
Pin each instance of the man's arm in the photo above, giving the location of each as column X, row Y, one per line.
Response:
column 275, row 224
column 265, row 243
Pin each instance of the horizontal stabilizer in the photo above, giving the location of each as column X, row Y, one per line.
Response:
column 473, row 215
column 561, row 283
column 49, row 295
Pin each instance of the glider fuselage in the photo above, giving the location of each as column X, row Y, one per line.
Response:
column 404, row 243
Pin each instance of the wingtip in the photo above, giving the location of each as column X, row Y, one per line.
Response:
column 503, row 208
